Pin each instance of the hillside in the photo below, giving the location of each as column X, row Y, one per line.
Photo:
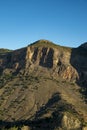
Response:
column 43, row 86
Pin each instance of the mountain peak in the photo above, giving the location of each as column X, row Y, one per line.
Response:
column 43, row 42
column 84, row 45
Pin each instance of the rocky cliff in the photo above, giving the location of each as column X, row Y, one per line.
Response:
column 43, row 86
column 40, row 54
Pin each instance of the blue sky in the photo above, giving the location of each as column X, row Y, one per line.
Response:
column 24, row 21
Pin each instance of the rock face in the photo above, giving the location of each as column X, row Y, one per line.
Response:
column 25, row 128
column 70, row 122
column 51, row 58
column 43, row 86
column 85, row 128
column 59, row 59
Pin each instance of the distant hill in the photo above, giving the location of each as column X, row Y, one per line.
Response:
column 2, row 50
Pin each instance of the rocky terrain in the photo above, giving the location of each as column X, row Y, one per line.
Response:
column 43, row 87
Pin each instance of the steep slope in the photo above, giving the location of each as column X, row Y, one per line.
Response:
column 43, row 86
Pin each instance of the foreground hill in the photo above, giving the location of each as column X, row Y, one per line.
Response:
column 43, row 86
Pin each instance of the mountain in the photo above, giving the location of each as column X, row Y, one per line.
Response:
column 43, row 86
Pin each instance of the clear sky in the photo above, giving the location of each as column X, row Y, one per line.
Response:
column 24, row 21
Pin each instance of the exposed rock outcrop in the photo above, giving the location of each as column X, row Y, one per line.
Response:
column 51, row 57
column 70, row 122
column 44, row 86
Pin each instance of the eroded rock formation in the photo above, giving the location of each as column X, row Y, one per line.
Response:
column 44, row 86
